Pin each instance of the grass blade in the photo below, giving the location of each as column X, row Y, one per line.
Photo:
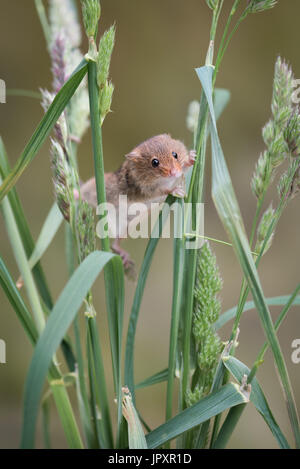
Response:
column 176, row 303
column 17, row 302
column 46, row 422
column 235, row 414
column 274, row 301
column 229, row 213
column 57, row 325
column 113, row 273
column 100, row 382
column 238, row 370
column 139, row 291
column 44, row 128
column 217, row 402
column 24, row 230
column 52, row 223
column 159, row 377
column 95, row 396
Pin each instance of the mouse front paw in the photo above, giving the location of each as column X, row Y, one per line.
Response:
column 192, row 157
column 178, row 192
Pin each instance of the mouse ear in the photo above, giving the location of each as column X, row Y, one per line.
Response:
column 133, row 155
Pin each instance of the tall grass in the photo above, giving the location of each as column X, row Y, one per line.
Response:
column 211, row 381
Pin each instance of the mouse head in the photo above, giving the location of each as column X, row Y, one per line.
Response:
column 159, row 158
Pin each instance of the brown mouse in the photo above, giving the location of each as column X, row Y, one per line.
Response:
column 150, row 172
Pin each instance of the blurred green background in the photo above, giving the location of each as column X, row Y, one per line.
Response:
column 159, row 43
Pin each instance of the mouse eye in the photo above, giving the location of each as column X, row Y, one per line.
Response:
column 175, row 155
column 155, row 163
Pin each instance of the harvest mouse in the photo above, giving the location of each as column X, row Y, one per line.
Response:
column 150, row 172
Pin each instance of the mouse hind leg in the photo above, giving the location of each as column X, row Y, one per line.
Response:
column 128, row 263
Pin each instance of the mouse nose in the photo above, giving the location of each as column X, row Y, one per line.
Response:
column 176, row 172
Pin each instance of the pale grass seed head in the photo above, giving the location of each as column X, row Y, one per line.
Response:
column 256, row 6
column 279, row 133
column 91, row 12
column 63, row 17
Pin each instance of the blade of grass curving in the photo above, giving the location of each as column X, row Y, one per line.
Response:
column 274, row 301
column 211, row 405
column 157, row 378
column 228, row 210
column 57, row 325
column 44, row 128
column 238, row 370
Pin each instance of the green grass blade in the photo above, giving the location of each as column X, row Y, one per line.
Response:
column 24, row 93
column 238, row 370
column 178, row 280
column 57, row 325
column 29, row 247
column 23, row 314
column 217, row 402
column 51, row 225
column 95, row 396
column 274, row 301
column 43, row 20
column 17, row 302
column 44, row 128
column 46, row 423
column 221, row 100
column 157, row 378
column 24, row 230
column 278, row 322
column 139, row 291
column 234, row 415
column 114, row 272
column 100, row 382
column 229, row 213
column 66, row 414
